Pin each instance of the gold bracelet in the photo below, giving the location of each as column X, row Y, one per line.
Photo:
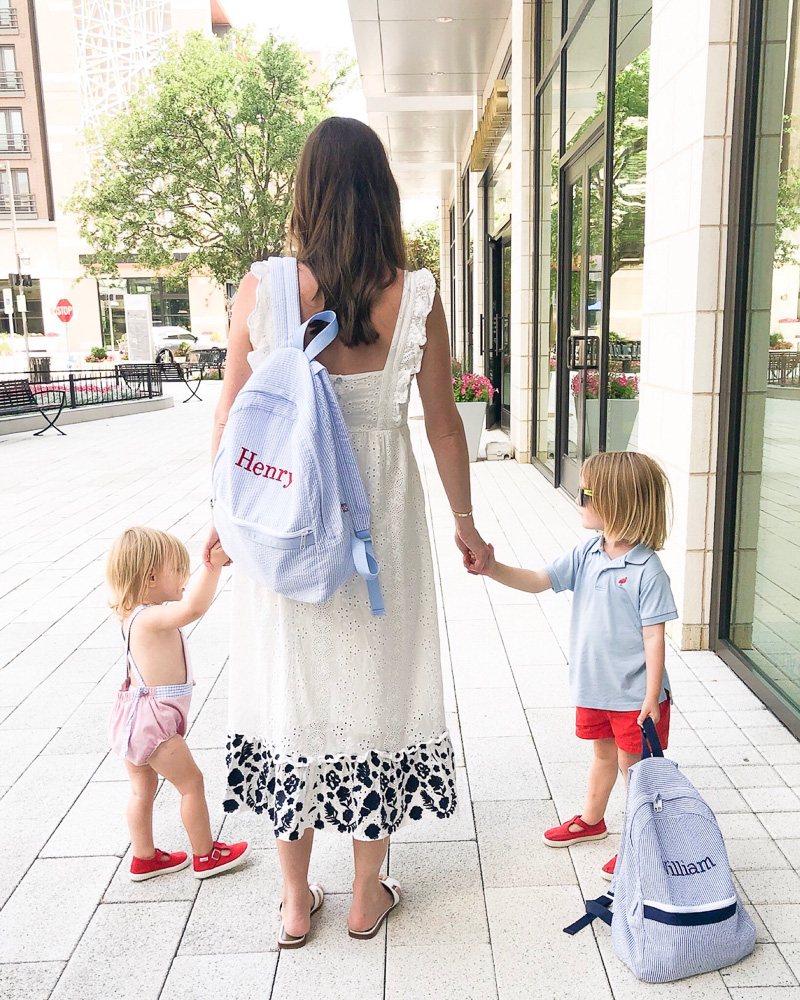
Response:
column 456, row 514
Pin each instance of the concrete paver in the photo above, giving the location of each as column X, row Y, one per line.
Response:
column 485, row 900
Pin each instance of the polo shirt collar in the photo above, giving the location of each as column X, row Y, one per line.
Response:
column 638, row 555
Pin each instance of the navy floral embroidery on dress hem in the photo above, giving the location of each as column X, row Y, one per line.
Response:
column 367, row 795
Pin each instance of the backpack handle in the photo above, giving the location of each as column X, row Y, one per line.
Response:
column 651, row 744
column 323, row 339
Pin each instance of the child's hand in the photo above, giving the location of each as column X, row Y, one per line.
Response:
column 489, row 568
column 218, row 557
column 650, row 710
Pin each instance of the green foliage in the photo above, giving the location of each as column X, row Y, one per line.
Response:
column 787, row 218
column 182, row 350
column 422, row 247
column 777, row 343
column 629, row 166
column 97, row 354
column 203, row 160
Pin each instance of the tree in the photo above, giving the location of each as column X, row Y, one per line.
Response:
column 202, row 162
column 422, row 247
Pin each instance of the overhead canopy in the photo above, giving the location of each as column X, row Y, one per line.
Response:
column 423, row 80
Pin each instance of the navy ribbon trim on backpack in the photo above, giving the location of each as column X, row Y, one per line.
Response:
column 689, row 919
column 595, row 908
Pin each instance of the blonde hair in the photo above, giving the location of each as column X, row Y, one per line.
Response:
column 631, row 494
column 134, row 556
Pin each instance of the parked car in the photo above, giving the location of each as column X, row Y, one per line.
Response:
column 167, row 340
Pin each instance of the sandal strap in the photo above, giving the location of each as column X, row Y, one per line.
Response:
column 393, row 886
column 317, row 895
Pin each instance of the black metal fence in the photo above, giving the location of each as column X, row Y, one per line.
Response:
column 87, row 388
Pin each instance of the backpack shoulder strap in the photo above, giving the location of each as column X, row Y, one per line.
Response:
column 285, row 289
column 355, row 497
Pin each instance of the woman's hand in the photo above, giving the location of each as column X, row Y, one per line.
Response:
column 472, row 547
column 490, row 567
column 211, row 541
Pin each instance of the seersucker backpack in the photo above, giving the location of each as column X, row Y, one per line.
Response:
column 289, row 503
column 676, row 909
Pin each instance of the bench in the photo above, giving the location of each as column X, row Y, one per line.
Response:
column 17, row 397
column 151, row 375
column 208, row 357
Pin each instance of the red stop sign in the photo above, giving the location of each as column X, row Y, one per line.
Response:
column 64, row 310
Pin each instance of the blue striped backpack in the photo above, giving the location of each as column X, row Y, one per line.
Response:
column 289, row 502
column 676, row 910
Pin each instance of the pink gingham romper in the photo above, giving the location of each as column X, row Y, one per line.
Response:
column 145, row 717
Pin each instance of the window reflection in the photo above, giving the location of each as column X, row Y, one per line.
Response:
column 765, row 620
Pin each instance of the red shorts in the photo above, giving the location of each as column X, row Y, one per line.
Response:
column 601, row 724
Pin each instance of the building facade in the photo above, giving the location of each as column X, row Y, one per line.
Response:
column 63, row 65
column 620, row 209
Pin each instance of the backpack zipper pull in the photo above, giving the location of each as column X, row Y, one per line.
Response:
column 658, row 804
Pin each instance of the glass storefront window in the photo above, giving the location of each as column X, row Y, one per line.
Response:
column 550, row 31
column 468, row 268
column 547, row 261
column 33, row 301
column 627, row 219
column 588, row 335
column 587, row 59
column 112, row 309
column 765, row 609
column 498, row 209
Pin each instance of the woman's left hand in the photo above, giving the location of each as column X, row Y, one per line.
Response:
column 474, row 550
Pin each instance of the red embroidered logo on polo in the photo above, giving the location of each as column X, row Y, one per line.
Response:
column 623, row 580
column 247, row 461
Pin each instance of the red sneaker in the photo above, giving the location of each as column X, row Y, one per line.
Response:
column 161, row 863
column 607, row 871
column 562, row 836
column 217, row 862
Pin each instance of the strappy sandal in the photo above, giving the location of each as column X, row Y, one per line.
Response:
column 288, row 940
column 394, row 890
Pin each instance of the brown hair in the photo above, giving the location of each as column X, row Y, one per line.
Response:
column 345, row 223
column 134, row 556
column 631, row 494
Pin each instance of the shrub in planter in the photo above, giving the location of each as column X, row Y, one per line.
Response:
column 96, row 355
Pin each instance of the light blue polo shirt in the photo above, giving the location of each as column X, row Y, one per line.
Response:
column 613, row 600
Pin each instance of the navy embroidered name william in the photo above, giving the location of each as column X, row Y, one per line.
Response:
column 246, row 461
column 679, row 868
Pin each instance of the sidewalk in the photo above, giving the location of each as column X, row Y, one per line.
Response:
column 485, row 900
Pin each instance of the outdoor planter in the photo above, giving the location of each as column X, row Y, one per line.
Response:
column 621, row 418
column 473, row 416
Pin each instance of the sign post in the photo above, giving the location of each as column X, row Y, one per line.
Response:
column 64, row 312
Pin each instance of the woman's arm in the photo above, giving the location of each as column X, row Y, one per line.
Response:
column 446, row 435
column 237, row 372
column 237, row 367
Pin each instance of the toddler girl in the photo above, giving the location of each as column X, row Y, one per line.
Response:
column 146, row 569
column 621, row 600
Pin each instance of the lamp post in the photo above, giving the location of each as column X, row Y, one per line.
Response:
column 19, row 256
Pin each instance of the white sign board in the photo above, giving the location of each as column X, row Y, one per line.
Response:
column 139, row 327
column 8, row 301
column 22, row 305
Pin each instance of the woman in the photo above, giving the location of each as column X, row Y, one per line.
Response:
column 337, row 717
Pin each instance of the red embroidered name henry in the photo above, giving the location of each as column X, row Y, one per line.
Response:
column 260, row 469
